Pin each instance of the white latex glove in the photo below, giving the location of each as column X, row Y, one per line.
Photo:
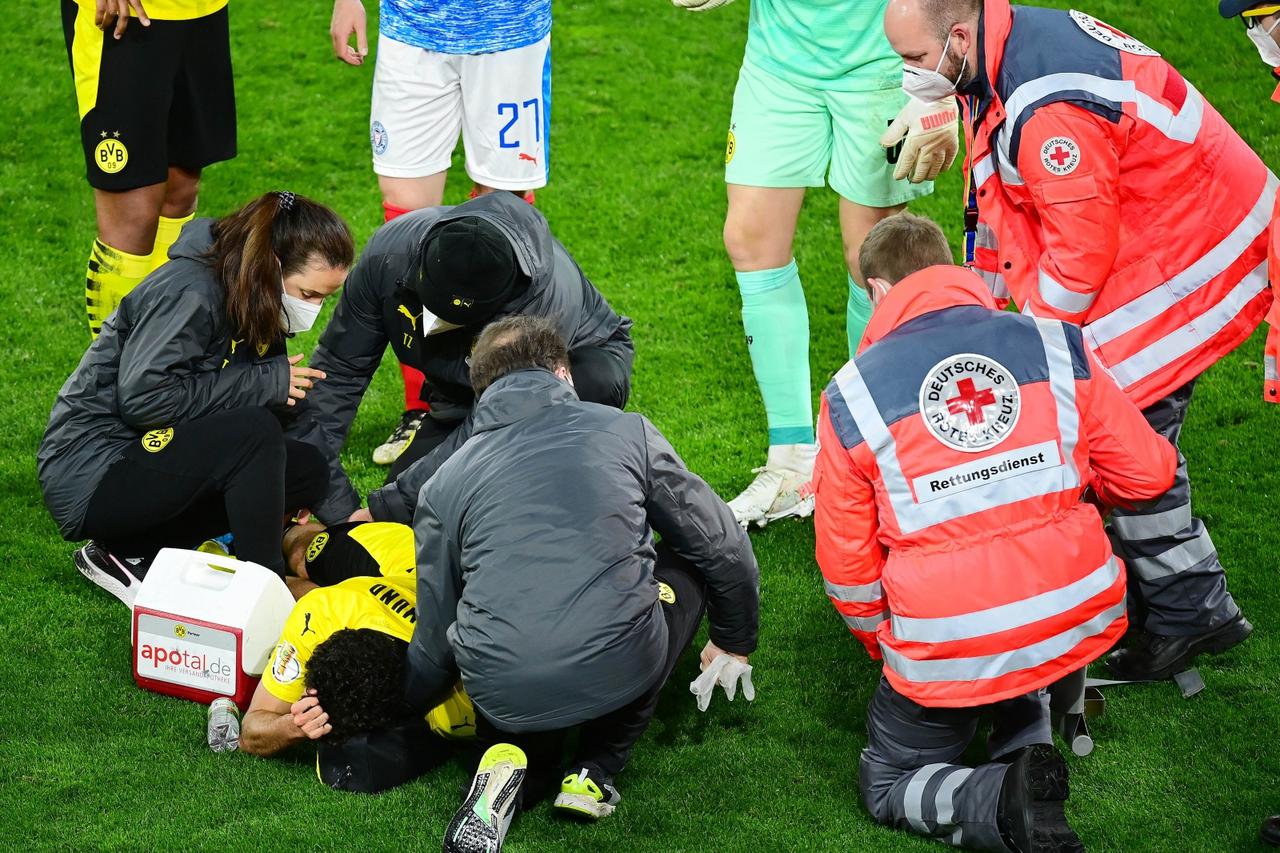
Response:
column 700, row 5
column 726, row 671
column 932, row 138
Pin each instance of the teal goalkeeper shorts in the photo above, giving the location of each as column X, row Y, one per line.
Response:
column 786, row 134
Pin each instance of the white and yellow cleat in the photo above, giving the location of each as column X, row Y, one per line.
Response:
column 781, row 488
column 582, row 797
column 389, row 451
column 481, row 824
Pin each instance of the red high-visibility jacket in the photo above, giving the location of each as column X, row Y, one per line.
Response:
column 953, row 452
column 1113, row 195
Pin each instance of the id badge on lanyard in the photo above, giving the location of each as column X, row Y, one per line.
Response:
column 970, row 188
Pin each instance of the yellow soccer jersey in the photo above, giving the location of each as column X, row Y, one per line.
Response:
column 171, row 10
column 383, row 604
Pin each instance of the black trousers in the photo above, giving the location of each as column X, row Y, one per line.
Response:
column 230, row 471
column 601, row 374
column 605, row 743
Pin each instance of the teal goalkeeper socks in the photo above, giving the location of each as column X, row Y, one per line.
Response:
column 857, row 315
column 776, row 320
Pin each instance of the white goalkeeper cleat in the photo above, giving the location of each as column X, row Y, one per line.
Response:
column 389, row 451
column 781, row 488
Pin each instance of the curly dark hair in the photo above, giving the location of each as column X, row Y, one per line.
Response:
column 358, row 676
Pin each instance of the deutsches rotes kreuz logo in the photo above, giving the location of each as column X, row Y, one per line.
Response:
column 970, row 402
column 1109, row 35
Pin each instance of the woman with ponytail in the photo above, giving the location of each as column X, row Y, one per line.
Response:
column 169, row 431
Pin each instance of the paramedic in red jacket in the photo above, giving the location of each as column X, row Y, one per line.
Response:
column 1109, row 193
column 953, row 455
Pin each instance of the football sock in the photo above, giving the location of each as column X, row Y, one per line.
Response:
column 390, row 211
column 413, row 377
column 776, row 320
column 413, row 380
column 166, row 234
column 857, row 315
column 111, row 274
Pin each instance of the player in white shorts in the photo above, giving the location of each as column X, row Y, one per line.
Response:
column 444, row 66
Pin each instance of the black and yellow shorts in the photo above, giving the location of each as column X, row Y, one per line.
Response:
column 161, row 96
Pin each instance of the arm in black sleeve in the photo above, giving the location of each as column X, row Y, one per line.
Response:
column 160, row 382
column 430, row 669
column 396, row 500
column 349, row 352
column 699, row 527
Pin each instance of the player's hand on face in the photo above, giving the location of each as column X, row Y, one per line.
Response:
column 117, row 11
column 348, row 18
column 301, row 379
column 310, row 717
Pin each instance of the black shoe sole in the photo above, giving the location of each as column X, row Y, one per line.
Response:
column 1219, row 640
column 1043, row 821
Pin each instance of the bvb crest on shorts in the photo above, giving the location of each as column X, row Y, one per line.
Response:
column 111, row 155
column 157, row 439
column 730, row 147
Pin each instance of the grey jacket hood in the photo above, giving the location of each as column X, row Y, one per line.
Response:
column 518, row 395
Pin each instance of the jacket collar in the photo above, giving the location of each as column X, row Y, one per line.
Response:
column 931, row 289
column 519, row 395
column 982, row 102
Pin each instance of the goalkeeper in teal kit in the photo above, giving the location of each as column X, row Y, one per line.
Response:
column 816, row 96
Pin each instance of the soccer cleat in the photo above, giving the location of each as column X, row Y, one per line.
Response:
column 482, row 822
column 120, row 577
column 1155, row 657
column 1030, row 812
column 781, row 488
column 580, row 796
column 389, row 451
column 1270, row 832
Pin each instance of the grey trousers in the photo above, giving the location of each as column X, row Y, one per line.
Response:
column 1176, row 583
column 909, row 777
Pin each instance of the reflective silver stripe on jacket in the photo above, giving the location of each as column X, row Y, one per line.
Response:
column 1162, row 297
column 1005, row 617
column 865, row 593
column 1182, row 126
column 1061, row 298
column 1002, row 663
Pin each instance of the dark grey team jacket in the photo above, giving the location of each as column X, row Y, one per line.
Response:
column 378, row 307
column 535, row 559
column 164, row 357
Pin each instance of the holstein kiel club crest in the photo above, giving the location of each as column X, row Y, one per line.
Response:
column 970, row 402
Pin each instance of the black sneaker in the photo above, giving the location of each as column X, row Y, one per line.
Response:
column 1030, row 814
column 1155, row 657
column 1270, row 832
column 119, row 576
column 481, row 824
column 389, row 451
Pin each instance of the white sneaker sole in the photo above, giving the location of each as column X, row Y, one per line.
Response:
column 387, row 454
column 126, row 594
column 582, row 805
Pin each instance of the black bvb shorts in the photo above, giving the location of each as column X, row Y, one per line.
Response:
column 161, row 96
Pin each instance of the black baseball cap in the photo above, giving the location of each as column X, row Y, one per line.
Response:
column 468, row 270
column 1231, row 8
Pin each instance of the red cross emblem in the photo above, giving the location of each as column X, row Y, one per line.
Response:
column 1060, row 155
column 971, row 401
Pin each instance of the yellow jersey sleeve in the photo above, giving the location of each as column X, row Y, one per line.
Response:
column 390, row 545
column 312, row 621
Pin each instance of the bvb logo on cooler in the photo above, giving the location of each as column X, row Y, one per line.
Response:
column 111, row 156
column 179, row 631
column 157, row 439
column 316, row 546
column 970, row 402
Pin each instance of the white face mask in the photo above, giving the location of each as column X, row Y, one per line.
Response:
column 932, row 85
column 297, row 315
column 1266, row 45
column 433, row 325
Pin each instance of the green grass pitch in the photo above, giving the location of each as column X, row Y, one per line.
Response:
column 641, row 104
